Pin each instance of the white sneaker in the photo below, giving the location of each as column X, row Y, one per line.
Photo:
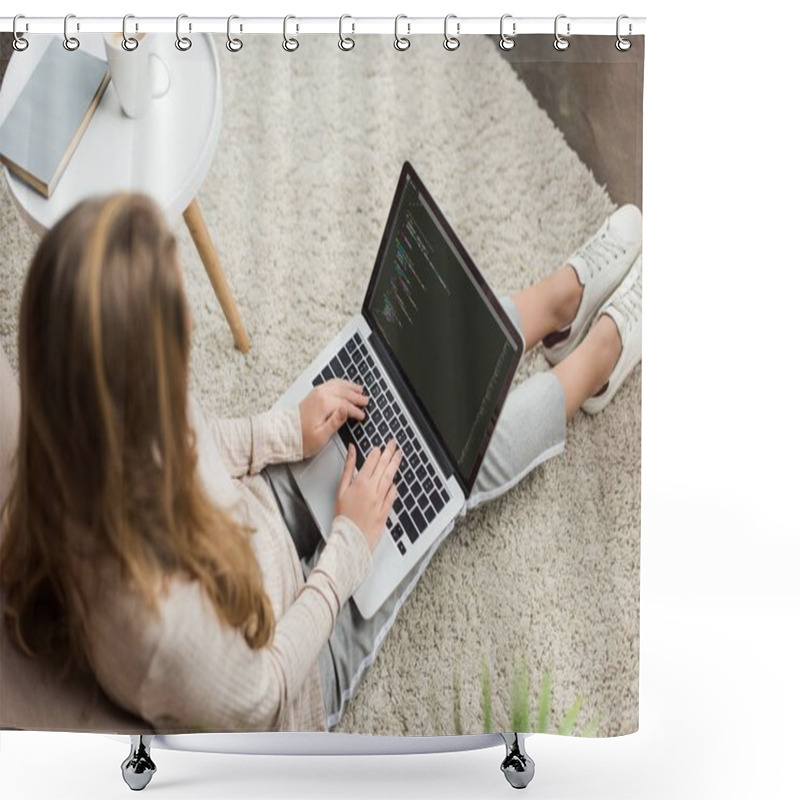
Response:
column 625, row 308
column 600, row 265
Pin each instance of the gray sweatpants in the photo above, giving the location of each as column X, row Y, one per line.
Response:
column 530, row 429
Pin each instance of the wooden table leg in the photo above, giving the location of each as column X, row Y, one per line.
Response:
column 208, row 255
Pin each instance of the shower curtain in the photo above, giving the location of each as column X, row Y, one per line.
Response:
column 276, row 169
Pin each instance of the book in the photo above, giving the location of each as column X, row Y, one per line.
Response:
column 51, row 114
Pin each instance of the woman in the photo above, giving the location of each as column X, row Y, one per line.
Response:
column 169, row 552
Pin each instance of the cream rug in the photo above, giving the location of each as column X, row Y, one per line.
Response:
column 309, row 154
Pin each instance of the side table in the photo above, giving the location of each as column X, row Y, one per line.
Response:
column 165, row 154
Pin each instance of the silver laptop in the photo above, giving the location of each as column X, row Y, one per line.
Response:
column 436, row 353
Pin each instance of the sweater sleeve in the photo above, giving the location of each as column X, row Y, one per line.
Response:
column 203, row 676
column 248, row 444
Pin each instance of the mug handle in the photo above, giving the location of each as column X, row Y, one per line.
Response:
column 156, row 95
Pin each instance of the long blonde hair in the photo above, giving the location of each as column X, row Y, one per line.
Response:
column 105, row 446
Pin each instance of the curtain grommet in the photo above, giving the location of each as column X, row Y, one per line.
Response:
column 233, row 44
column 290, row 44
column 71, row 43
column 451, row 43
column 507, row 42
column 346, row 43
column 560, row 43
column 182, row 43
column 401, row 43
column 129, row 43
column 20, row 43
column 622, row 44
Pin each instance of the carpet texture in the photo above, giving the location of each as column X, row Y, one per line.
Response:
column 309, row 154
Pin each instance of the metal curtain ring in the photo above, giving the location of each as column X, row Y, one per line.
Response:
column 129, row 43
column 346, row 42
column 507, row 42
column 451, row 42
column 289, row 44
column 183, row 43
column 623, row 44
column 401, row 42
column 70, row 42
column 233, row 44
column 20, row 43
column 560, row 42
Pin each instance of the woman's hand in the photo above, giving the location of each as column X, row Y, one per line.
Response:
column 367, row 498
column 324, row 410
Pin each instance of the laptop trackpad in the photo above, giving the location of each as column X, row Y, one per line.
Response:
column 320, row 482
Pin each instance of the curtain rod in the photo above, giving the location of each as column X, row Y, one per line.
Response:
column 456, row 26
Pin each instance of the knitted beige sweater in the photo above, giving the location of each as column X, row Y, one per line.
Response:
column 186, row 670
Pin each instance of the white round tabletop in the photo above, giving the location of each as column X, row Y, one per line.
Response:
column 165, row 154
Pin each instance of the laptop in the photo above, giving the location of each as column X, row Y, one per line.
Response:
column 436, row 353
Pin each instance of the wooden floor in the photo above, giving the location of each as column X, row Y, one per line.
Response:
column 5, row 52
column 591, row 91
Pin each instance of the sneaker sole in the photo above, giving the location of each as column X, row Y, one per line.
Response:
column 594, row 405
column 555, row 355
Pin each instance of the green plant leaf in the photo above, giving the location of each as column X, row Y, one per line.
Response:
column 457, row 724
column 520, row 699
column 544, row 703
column 571, row 717
column 486, row 698
column 591, row 729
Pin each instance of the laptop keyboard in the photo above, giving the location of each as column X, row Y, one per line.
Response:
column 421, row 494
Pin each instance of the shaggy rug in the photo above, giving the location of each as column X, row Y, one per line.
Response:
column 311, row 146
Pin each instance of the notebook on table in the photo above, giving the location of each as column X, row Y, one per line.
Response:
column 48, row 119
column 436, row 353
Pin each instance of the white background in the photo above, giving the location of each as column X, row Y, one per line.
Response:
column 719, row 712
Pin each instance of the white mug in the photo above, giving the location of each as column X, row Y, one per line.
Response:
column 135, row 73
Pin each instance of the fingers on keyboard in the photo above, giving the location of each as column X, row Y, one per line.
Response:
column 371, row 461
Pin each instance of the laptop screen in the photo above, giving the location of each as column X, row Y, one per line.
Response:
column 443, row 326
